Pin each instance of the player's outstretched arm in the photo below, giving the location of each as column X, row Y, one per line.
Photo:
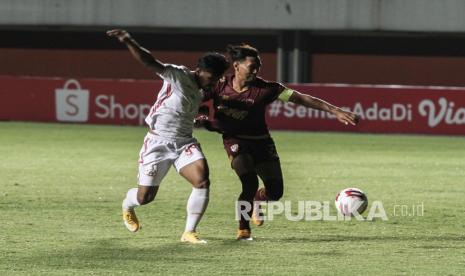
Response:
column 138, row 52
column 345, row 117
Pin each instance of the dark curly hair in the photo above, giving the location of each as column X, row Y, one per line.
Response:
column 214, row 62
column 241, row 52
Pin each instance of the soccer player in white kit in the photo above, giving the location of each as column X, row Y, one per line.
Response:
column 169, row 140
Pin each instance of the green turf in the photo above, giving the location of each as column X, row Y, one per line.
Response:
column 61, row 188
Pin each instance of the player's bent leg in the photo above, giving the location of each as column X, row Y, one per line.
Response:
column 146, row 194
column 129, row 216
column 142, row 195
column 243, row 165
column 249, row 182
column 271, row 175
column 196, row 173
column 150, row 177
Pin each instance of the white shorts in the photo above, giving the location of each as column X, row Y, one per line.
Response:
column 157, row 155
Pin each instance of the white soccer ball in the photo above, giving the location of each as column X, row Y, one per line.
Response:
column 350, row 200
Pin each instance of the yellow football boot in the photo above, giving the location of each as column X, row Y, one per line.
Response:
column 244, row 235
column 130, row 220
column 192, row 237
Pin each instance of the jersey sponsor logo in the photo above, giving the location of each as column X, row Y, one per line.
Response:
column 232, row 112
column 72, row 102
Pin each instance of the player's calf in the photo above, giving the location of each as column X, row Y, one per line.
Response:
column 274, row 193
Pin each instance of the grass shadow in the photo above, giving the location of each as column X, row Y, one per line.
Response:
column 348, row 238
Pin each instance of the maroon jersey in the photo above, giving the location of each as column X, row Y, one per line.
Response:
column 243, row 113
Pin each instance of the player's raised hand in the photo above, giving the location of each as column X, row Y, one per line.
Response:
column 122, row 35
column 347, row 117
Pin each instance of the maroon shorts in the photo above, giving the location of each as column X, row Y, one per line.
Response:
column 261, row 150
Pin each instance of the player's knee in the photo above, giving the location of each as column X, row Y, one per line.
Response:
column 276, row 192
column 247, row 195
column 242, row 164
column 146, row 197
column 201, row 183
column 274, row 196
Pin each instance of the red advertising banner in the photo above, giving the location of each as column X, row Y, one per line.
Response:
column 95, row 101
column 383, row 109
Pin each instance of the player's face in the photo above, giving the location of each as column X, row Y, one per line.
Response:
column 206, row 79
column 247, row 69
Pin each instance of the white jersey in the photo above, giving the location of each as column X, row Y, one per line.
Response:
column 172, row 115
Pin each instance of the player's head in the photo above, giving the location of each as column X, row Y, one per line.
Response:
column 246, row 61
column 210, row 68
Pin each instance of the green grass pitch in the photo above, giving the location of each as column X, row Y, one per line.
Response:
column 61, row 187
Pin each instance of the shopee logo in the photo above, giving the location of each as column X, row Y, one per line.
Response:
column 108, row 107
column 72, row 102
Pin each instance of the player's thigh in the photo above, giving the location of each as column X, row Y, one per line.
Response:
column 152, row 174
column 196, row 173
column 243, row 164
column 269, row 171
column 192, row 165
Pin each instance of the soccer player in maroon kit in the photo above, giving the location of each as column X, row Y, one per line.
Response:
column 240, row 102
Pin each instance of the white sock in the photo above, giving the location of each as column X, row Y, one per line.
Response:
column 196, row 205
column 131, row 199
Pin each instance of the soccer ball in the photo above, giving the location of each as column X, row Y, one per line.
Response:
column 350, row 200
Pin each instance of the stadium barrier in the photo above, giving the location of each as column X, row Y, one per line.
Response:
column 383, row 109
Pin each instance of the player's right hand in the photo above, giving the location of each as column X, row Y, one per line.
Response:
column 347, row 117
column 122, row 35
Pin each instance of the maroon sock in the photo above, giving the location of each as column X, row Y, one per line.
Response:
column 244, row 222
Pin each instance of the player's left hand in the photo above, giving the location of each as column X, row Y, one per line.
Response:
column 121, row 35
column 347, row 117
column 200, row 120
